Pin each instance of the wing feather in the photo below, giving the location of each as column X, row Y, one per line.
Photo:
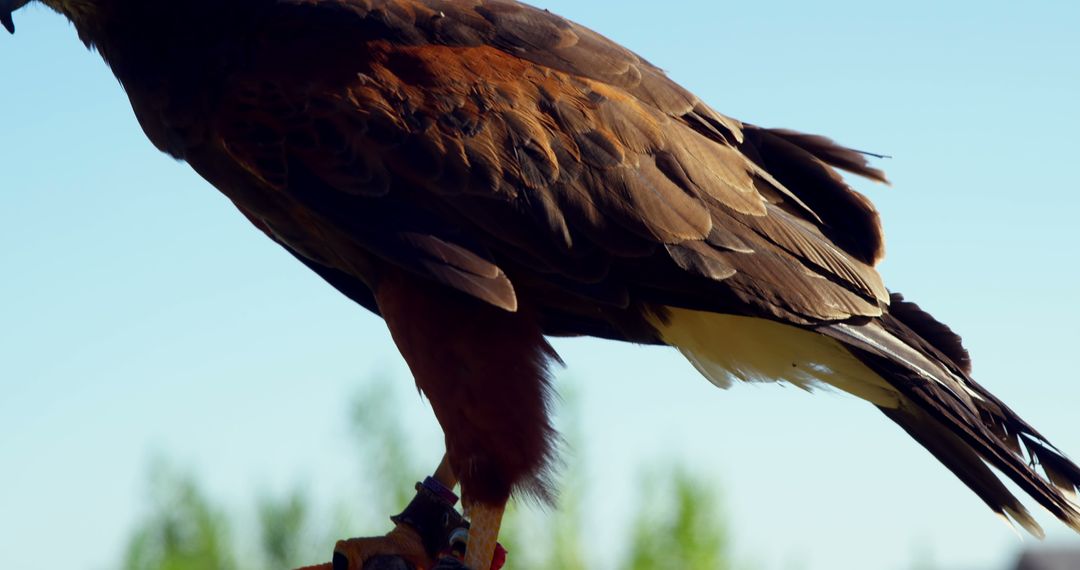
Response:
column 490, row 145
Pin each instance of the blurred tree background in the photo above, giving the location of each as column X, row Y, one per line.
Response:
column 678, row 524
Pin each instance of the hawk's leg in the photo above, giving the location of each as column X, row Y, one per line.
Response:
column 484, row 370
column 483, row 534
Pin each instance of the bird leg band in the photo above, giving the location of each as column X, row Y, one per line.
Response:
column 433, row 516
column 431, row 513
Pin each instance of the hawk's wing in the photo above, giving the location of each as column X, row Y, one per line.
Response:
column 490, row 145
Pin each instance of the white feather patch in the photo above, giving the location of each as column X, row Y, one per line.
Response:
column 726, row 348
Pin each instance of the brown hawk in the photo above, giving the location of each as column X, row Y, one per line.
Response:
column 484, row 174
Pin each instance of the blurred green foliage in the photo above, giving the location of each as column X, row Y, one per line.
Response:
column 677, row 527
column 680, row 529
column 282, row 526
column 183, row 531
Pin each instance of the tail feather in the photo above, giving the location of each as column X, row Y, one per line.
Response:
column 957, row 420
column 959, row 458
column 935, row 336
column 916, row 371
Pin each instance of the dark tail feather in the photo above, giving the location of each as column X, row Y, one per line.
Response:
column 959, row 458
column 958, row 420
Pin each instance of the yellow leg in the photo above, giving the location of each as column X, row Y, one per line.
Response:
column 445, row 475
column 485, row 521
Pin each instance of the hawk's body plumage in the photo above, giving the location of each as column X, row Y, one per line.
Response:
column 483, row 173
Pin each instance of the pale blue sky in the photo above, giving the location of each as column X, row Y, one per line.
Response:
column 139, row 313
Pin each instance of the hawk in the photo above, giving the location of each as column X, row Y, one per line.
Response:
column 484, row 175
